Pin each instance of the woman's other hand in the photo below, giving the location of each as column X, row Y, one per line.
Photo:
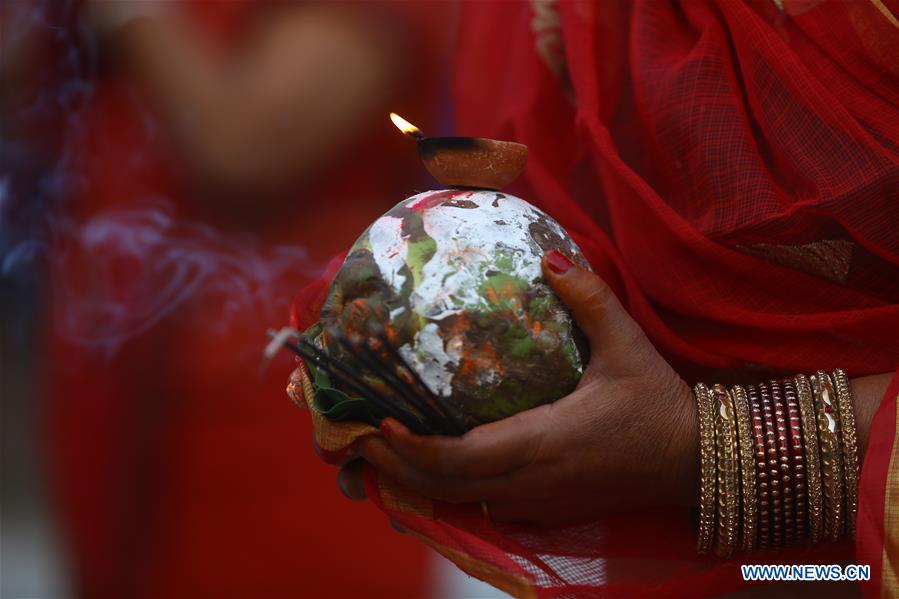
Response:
column 268, row 116
column 625, row 438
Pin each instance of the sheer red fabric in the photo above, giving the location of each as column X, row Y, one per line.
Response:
column 732, row 170
column 728, row 174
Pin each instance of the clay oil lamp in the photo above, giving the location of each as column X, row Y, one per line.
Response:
column 474, row 162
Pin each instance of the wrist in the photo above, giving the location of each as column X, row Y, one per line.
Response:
column 867, row 393
column 683, row 456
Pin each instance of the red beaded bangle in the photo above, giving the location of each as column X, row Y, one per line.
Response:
column 763, row 487
column 784, row 459
column 797, row 453
column 761, row 467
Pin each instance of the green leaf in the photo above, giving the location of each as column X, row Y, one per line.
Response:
column 334, row 403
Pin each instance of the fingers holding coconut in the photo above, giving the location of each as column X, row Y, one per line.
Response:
column 379, row 454
column 485, row 451
column 351, row 480
column 592, row 303
column 388, row 462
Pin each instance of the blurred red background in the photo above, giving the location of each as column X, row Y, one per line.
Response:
column 173, row 173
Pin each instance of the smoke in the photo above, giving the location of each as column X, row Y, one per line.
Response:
column 144, row 263
column 116, row 275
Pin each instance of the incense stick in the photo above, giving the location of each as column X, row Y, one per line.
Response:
column 353, row 381
column 455, row 420
column 414, row 404
column 383, row 370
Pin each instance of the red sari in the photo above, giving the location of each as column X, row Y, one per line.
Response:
column 179, row 468
column 732, row 170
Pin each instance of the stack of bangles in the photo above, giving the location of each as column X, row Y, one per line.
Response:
column 779, row 463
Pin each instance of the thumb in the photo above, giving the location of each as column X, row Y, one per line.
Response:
column 592, row 302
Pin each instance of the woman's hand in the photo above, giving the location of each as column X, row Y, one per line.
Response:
column 250, row 124
column 626, row 437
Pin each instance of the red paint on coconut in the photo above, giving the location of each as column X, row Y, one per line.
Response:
column 435, row 199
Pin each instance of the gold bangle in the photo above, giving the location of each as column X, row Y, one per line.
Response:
column 797, row 459
column 747, row 467
column 707, row 460
column 850, row 447
column 728, row 472
column 829, row 438
column 812, row 459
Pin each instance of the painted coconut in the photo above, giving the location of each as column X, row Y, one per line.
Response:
column 454, row 278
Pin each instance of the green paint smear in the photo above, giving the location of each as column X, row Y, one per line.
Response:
column 420, row 253
column 541, row 307
column 516, row 331
column 507, row 399
column 363, row 243
column 504, row 260
column 507, row 288
column 522, row 347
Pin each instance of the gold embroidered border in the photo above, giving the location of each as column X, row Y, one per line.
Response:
column 517, row 586
column 890, row 576
column 398, row 498
column 879, row 5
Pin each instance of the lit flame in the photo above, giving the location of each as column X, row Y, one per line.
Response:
column 405, row 126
